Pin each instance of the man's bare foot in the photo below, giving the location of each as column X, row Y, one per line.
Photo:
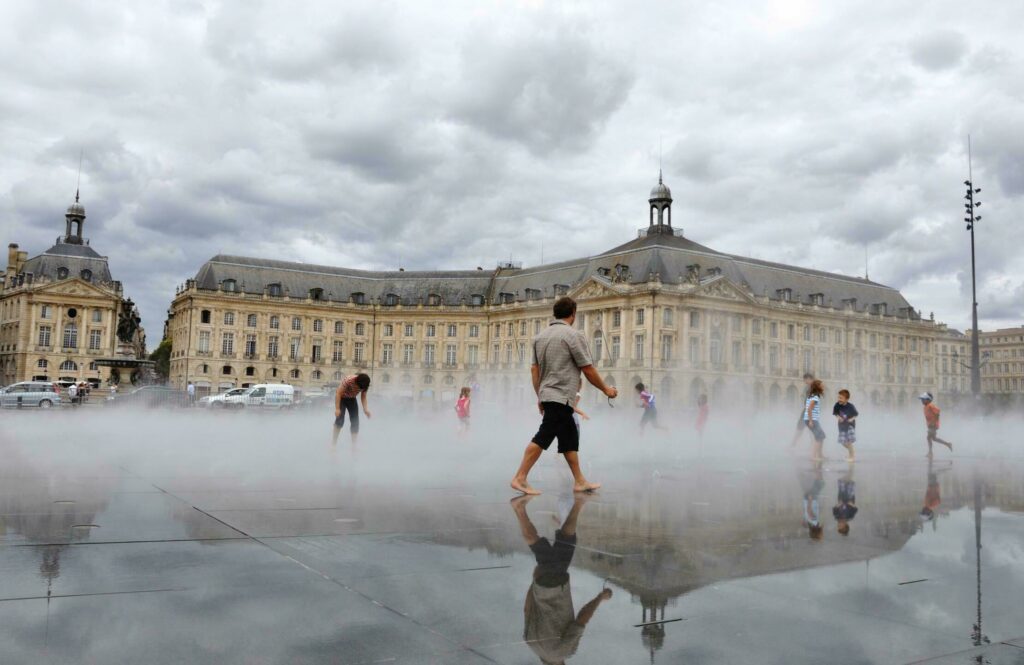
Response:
column 524, row 487
column 950, row 446
column 851, row 459
column 586, row 487
column 519, row 502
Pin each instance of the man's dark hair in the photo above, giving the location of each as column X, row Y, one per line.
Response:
column 363, row 381
column 564, row 307
column 845, row 393
column 639, row 387
column 808, row 375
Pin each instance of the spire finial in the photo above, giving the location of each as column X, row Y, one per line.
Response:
column 659, row 177
column 78, row 183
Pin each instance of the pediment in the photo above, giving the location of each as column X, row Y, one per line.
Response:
column 723, row 288
column 73, row 287
column 594, row 287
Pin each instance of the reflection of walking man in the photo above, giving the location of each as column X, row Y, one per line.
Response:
column 551, row 627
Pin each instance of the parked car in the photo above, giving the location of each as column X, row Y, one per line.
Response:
column 152, row 396
column 42, row 394
column 266, row 395
column 315, row 401
column 219, row 401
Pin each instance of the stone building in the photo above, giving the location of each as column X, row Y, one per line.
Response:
column 60, row 311
column 661, row 308
column 1002, row 367
column 952, row 363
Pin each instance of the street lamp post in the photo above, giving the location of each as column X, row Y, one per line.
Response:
column 971, row 218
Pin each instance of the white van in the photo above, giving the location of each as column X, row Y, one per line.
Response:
column 270, row 395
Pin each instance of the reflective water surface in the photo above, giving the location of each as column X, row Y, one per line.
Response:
column 235, row 539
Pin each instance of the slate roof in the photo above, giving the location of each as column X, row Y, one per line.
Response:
column 75, row 258
column 669, row 256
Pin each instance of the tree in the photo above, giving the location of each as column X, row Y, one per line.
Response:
column 162, row 357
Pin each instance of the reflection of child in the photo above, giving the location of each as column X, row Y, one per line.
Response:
column 812, row 486
column 846, row 505
column 462, row 410
column 846, row 413
column 702, row 415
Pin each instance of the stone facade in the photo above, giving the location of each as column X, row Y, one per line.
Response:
column 1002, row 367
column 662, row 309
column 59, row 311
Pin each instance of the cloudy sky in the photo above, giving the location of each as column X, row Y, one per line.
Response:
column 455, row 134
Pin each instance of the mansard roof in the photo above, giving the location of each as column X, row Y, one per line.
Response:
column 75, row 258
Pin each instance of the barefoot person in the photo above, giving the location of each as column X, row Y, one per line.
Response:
column 560, row 353
column 801, row 422
column 812, row 417
column 462, row 406
column 931, row 419
column 345, row 400
column 552, row 628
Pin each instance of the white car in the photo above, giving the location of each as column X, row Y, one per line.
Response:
column 267, row 395
column 218, row 401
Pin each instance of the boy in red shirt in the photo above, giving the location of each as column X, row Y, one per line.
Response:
column 931, row 419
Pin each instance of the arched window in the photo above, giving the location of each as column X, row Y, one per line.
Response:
column 295, row 374
column 274, row 290
column 203, row 369
column 226, row 370
column 229, row 285
column 62, row 273
column 68, row 366
column 250, row 321
column 42, row 364
column 275, row 322
column 317, row 375
column 360, row 328
column 250, row 371
column 86, row 275
column 339, row 327
column 204, row 316
column 337, row 376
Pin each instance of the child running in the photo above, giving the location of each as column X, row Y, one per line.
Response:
column 812, row 417
column 650, row 410
column 462, row 410
column 931, row 419
column 801, row 426
column 846, row 415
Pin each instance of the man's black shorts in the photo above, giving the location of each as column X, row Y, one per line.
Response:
column 553, row 560
column 558, row 424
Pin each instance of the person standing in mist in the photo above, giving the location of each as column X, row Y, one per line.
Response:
column 801, row 423
column 345, row 400
column 560, row 354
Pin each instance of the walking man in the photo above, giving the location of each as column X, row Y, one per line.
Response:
column 560, row 353
column 191, row 390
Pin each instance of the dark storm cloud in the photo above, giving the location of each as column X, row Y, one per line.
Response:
column 379, row 134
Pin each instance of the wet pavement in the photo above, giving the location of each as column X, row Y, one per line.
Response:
column 231, row 540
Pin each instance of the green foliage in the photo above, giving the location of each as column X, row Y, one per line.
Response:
column 162, row 357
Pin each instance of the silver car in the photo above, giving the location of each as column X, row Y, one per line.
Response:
column 30, row 393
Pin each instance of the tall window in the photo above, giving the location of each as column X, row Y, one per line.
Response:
column 473, row 354
column 337, row 351
column 318, row 325
column 773, row 358
column 44, row 312
column 317, row 351
column 495, row 353
column 521, row 352
column 616, row 318
column 428, row 354
column 431, row 330
column 511, row 329
column 360, row 329
column 339, row 327
column 790, row 331
column 695, row 350
column 275, row 322
column 695, row 319
column 497, row 330
column 807, row 333
column 449, row 354
column 295, row 348
column 640, row 316
column 790, row 359
column 97, row 316
column 536, row 327
column 755, row 326
column 204, row 316
column 737, row 353
column 666, row 347
column 71, row 336
column 389, row 330
column 773, row 330
column 452, row 330
column 598, row 339
column 408, row 330
column 667, row 316
column 229, row 318
column 273, row 346
column 387, row 354
column 638, row 346
column 203, row 346
column 838, row 339
column 616, row 347
column 227, row 343
column 822, row 335
column 250, row 345
column 95, row 339
column 755, row 355
column 250, row 321
column 716, row 350
column 474, row 330
column 44, row 335
column 296, row 323
column 408, row 353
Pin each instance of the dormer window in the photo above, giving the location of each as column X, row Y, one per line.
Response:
column 433, row 300
column 274, row 290
column 561, row 289
column 476, row 300
column 850, row 302
column 879, row 308
column 533, row 294
column 392, row 300
column 506, row 298
column 604, row 272
column 62, row 273
column 359, row 298
column 229, row 285
column 714, row 272
column 784, row 294
column 817, row 298
column 86, row 275
column 316, row 294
